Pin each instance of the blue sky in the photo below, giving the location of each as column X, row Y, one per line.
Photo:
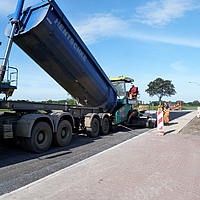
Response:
column 143, row 39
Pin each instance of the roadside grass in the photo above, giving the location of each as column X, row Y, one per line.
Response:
column 4, row 110
column 12, row 111
column 189, row 107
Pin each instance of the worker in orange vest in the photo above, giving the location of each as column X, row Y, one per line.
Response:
column 166, row 113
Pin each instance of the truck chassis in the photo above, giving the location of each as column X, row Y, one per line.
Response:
column 37, row 125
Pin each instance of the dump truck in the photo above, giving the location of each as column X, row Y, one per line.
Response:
column 44, row 33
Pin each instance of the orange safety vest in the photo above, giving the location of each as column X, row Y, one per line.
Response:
column 166, row 115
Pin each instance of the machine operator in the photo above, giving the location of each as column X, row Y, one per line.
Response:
column 133, row 92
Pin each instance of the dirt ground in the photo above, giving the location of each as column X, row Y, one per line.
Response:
column 192, row 128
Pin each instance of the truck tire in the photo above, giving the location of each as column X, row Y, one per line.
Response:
column 152, row 125
column 93, row 131
column 22, row 142
column 105, row 126
column 41, row 138
column 64, row 134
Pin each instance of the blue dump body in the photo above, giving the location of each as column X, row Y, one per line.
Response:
column 47, row 36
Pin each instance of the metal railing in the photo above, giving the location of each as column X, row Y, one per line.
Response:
column 11, row 75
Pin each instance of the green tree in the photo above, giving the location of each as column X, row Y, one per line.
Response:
column 71, row 101
column 160, row 88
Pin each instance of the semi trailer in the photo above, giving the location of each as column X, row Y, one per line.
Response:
column 44, row 33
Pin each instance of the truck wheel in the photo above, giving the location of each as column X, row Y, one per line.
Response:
column 93, row 131
column 41, row 138
column 64, row 134
column 22, row 142
column 105, row 126
column 152, row 125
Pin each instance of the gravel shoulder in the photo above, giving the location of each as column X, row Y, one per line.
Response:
column 192, row 128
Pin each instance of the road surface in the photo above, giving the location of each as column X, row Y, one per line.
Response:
column 19, row 168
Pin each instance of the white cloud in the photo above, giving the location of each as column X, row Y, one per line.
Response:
column 178, row 67
column 100, row 25
column 161, row 12
column 183, row 41
column 8, row 7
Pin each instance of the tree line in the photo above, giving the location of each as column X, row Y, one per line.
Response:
column 194, row 103
column 68, row 101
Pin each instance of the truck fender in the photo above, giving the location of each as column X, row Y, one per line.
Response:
column 25, row 124
column 58, row 116
column 89, row 117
